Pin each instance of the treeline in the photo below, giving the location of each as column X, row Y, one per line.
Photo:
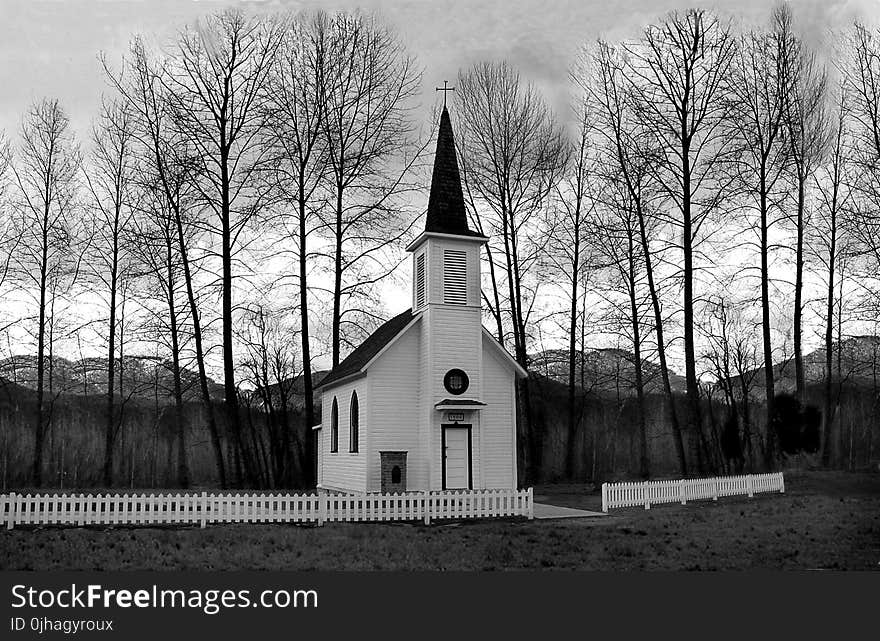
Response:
column 607, row 441
column 714, row 203
column 148, row 441
column 249, row 184
column 236, row 174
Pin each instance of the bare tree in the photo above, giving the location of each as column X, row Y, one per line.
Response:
column 761, row 82
column 618, row 236
column 170, row 164
column 807, row 127
column 832, row 240
column 155, row 228
column 862, row 77
column 367, row 82
column 111, row 183
column 630, row 145
column 46, row 171
column 863, row 91
column 679, row 73
column 216, row 75
column 299, row 160
column 514, row 154
column 569, row 252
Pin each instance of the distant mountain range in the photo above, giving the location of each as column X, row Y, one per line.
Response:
column 859, row 365
column 600, row 370
column 606, row 370
column 610, row 370
column 142, row 376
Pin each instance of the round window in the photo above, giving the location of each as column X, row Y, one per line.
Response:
column 456, row 381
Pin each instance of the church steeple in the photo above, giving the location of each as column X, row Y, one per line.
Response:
column 446, row 212
column 446, row 256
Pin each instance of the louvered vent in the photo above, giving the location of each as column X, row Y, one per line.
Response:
column 420, row 282
column 454, row 277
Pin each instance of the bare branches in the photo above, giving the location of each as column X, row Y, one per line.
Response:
column 46, row 261
column 111, row 181
column 367, row 82
column 679, row 72
column 514, row 154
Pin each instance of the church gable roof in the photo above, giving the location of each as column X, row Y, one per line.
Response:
column 446, row 211
column 369, row 349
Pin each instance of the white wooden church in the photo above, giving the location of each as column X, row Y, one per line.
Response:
column 428, row 401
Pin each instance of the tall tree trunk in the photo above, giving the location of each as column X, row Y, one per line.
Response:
column 827, row 413
column 173, row 199
column 769, row 391
column 309, row 473
column 520, row 351
column 800, row 384
column 37, row 473
column 200, row 354
column 693, row 390
column 661, row 345
column 839, row 367
column 110, row 423
column 644, row 465
column 121, row 390
column 337, row 279
column 230, row 391
column 179, row 424
column 572, row 360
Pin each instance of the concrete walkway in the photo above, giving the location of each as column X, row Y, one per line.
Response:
column 546, row 511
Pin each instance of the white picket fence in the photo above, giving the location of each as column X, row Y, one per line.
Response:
column 648, row 493
column 205, row 508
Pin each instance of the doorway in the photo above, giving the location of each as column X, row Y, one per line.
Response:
column 457, row 461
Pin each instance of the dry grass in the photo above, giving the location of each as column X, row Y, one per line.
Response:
column 825, row 520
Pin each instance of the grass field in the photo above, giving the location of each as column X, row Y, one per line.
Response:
column 825, row 520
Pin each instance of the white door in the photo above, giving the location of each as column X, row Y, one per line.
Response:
column 457, row 458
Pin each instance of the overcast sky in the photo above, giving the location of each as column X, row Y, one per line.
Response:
column 50, row 47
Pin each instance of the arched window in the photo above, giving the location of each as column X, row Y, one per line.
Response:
column 353, row 420
column 334, row 427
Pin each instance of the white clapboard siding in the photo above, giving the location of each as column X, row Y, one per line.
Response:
column 497, row 466
column 648, row 493
column 455, row 337
column 204, row 508
column 394, row 425
column 344, row 469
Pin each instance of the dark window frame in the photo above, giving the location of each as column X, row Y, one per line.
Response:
column 334, row 427
column 466, row 381
column 353, row 423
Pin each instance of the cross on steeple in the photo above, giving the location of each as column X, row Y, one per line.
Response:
column 444, row 89
column 446, row 210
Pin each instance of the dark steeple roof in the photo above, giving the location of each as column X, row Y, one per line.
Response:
column 446, row 213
